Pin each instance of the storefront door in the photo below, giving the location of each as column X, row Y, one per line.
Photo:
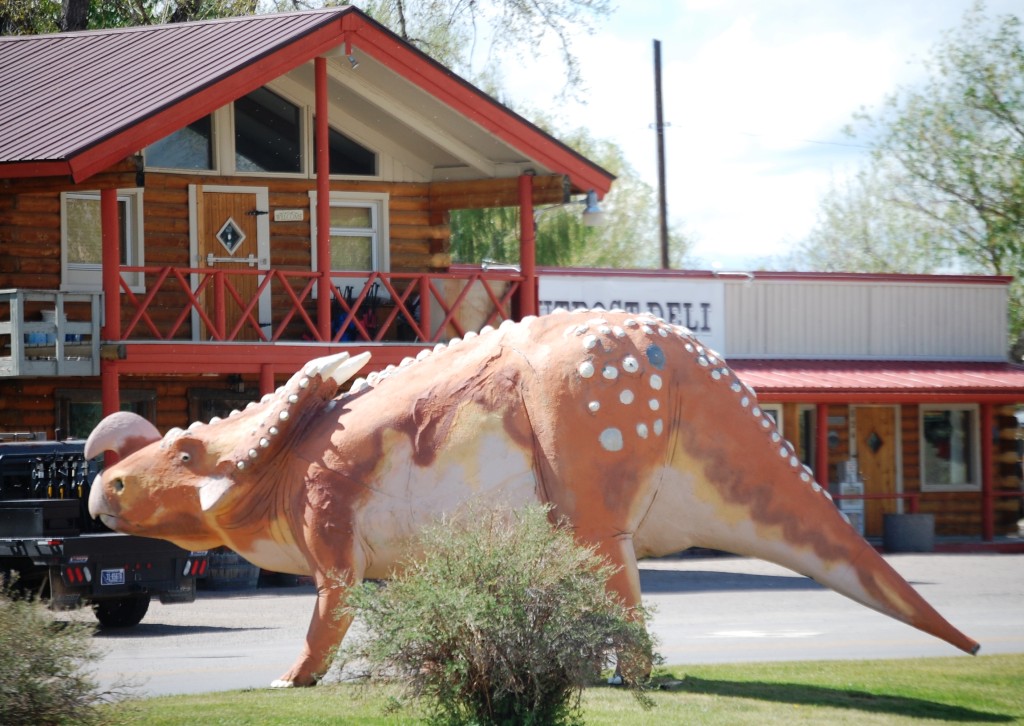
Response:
column 230, row 231
column 877, row 451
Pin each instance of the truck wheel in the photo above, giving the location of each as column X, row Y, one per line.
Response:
column 123, row 612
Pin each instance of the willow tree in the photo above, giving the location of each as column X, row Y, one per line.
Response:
column 951, row 153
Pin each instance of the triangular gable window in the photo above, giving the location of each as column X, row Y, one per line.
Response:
column 348, row 157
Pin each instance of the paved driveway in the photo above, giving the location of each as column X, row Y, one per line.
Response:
column 708, row 610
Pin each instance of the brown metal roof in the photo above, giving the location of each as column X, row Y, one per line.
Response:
column 62, row 93
column 75, row 103
column 887, row 379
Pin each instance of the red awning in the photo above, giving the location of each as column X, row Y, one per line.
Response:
column 882, row 381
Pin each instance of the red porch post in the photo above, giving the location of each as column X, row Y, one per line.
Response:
column 527, row 248
column 266, row 379
column 323, row 201
column 821, row 461
column 987, row 460
column 110, row 385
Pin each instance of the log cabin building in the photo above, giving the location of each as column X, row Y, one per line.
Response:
column 188, row 213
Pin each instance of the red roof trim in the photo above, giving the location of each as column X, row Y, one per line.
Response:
column 457, row 93
column 228, row 88
column 890, row 381
column 381, row 44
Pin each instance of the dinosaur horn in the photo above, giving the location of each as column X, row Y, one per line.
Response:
column 123, row 433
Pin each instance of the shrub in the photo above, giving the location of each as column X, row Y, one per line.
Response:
column 43, row 666
column 504, row 619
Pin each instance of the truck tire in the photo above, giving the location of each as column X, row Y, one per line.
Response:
column 122, row 612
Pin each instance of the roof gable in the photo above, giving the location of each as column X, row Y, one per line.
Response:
column 76, row 103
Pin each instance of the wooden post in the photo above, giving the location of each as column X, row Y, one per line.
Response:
column 110, row 236
column 821, row 460
column 266, row 379
column 987, row 462
column 323, row 201
column 527, row 248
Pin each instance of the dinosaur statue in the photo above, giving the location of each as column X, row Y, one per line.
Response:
column 643, row 439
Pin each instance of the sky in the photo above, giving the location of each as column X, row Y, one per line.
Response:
column 756, row 94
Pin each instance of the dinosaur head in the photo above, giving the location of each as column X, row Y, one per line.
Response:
column 181, row 486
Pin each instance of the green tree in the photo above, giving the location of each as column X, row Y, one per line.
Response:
column 947, row 162
column 628, row 236
column 450, row 31
column 863, row 227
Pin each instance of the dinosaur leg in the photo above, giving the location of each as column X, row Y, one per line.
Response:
column 625, row 583
column 326, row 630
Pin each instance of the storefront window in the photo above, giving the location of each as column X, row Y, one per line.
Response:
column 949, row 448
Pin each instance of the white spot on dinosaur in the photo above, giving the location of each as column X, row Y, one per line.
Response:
column 611, row 439
column 654, row 403
column 406, row 362
column 253, row 453
column 630, row 364
column 293, row 398
column 590, row 342
column 755, row 411
column 240, row 465
column 439, row 347
column 630, row 323
column 619, row 332
column 586, row 369
column 655, row 382
column 486, row 329
column 469, row 335
column 744, row 402
column 663, row 332
column 581, row 329
column 194, row 425
column 506, row 324
column 283, row 415
column 454, row 342
column 610, row 372
column 626, row 396
column 273, row 431
column 422, row 354
column 264, row 442
column 594, row 406
column 659, row 426
column 702, row 361
column 647, row 329
column 641, row 430
column 216, row 419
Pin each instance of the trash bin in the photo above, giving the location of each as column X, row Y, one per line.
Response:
column 908, row 532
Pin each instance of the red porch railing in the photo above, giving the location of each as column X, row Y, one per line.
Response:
column 220, row 305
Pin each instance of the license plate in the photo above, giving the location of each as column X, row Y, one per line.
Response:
column 112, row 577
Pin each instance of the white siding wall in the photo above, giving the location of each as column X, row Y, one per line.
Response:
column 865, row 319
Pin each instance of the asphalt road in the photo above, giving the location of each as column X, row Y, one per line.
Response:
column 707, row 610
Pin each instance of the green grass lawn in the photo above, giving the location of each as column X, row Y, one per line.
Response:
column 959, row 690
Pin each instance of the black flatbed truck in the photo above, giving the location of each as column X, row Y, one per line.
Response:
column 58, row 551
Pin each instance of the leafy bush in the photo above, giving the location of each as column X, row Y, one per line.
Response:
column 504, row 619
column 43, row 666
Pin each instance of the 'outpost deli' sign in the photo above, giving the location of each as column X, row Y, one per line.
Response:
column 696, row 304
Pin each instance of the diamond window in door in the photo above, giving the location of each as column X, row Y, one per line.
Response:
column 875, row 442
column 231, row 236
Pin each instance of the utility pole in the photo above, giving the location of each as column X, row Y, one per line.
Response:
column 660, row 129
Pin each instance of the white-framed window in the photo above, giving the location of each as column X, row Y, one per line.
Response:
column 358, row 236
column 774, row 412
column 950, row 452
column 82, row 239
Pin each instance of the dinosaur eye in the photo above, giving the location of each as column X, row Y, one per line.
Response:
column 186, row 457
column 118, row 485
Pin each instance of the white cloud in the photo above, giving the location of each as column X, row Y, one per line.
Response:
column 756, row 93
